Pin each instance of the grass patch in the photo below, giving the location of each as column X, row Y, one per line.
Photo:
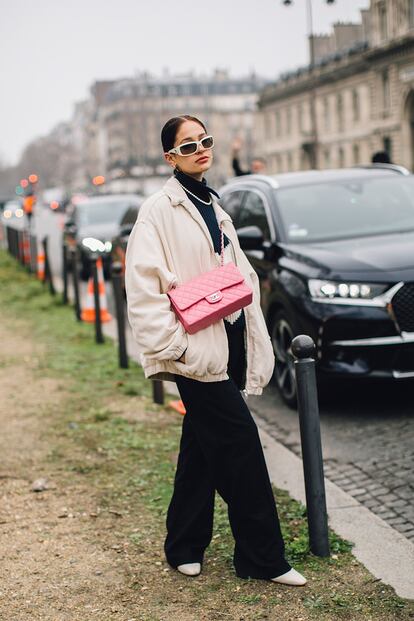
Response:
column 128, row 463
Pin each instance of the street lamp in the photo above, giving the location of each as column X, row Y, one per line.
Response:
column 313, row 147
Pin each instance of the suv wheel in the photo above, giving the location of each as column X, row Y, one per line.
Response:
column 284, row 374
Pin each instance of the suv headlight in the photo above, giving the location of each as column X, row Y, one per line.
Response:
column 96, row 245
column 363, row 294
column 92, row 244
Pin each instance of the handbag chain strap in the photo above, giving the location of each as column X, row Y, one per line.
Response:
column 221, row 246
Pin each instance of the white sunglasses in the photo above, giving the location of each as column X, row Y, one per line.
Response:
column 189, row 148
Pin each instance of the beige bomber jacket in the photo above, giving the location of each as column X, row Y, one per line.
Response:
column 170, row 244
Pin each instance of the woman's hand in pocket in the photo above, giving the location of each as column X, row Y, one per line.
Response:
column 182, row 358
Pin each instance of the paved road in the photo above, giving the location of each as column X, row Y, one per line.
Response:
column 367, row 429
column 368, row 443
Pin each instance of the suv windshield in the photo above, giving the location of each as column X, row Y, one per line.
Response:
column 349, row 208
column 96, row 212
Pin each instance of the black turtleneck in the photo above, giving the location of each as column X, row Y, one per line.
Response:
column 200, row 191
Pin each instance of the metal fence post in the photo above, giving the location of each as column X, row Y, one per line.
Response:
column 16, row 247
column 116, row 273
column 158, row 392
column 303, row 349
column 10, row 240
column 20, row 255
column 73, row 254
column 33, row 254
column 64, row 273
column 48, row 273
column 98, row 324
column 26, row 249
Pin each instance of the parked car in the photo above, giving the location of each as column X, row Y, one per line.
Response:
column 120, row 241
column 5, row 198
column 334, row 252
column 12, row 211
column 92, row 223
column 55, row 199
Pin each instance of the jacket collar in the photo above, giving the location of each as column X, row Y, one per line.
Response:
column 177, row 196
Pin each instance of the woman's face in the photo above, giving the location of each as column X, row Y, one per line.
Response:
column 196, row 164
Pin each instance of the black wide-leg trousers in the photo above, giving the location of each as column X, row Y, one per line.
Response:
column 220, row 450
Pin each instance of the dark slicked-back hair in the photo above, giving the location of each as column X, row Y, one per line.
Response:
column 170, row 129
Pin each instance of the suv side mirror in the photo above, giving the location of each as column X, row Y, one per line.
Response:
column 250, row 238
column 126, row 229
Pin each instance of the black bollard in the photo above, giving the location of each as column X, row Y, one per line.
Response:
column 20, row 255
column 48, row 273
column 10, row 241
column 16, row 246
column 303, row 349
column 65, row 273
column 158, row 392
column 33, row 254
column 73, row 258
column 116, row 273
column 26, row 250
column 14, row 237
column 98, row 324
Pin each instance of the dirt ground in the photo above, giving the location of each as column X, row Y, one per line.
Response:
column 53, row 559
column 88, row 547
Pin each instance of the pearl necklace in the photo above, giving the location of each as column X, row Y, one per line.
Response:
column 195, row 196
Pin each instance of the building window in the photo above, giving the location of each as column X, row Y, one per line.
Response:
column 386, row 93
column 326, row 117
column 355, row 105
column 277, row 123
column 289, row 162
column 267, row 125
column 383, row 21
column 387, row 143
column 303, row 161
column 327, row 158
column 341, row 157
column 355, row 153
column 278, row 163
column 340, row 111
column 300, row 117
column 288, row 121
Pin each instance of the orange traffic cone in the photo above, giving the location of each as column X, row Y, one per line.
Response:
column 88, row 313
column 40, row 263
column 178, row 406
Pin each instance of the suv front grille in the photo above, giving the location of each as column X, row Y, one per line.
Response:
column 403, row 307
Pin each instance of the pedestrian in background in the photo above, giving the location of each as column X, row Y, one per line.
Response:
column 381, row 157
column 29, row 202
column 258, row 166
column 177, row 237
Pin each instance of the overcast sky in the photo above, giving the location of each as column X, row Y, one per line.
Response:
column 52, row 50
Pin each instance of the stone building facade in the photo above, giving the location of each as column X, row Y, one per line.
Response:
column 356, row 99
column 124, row 118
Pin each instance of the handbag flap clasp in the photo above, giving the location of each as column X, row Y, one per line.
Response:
column 204, row 286
column 214, row 297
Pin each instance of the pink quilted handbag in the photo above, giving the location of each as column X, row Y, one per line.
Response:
column 207, row 298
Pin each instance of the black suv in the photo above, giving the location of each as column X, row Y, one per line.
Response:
column 334, row 251
column 93, row 222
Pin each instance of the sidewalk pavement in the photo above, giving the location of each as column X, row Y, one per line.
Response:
column 387, row 554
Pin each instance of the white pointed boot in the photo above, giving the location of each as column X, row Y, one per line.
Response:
column 291, row 578
column 190, row 569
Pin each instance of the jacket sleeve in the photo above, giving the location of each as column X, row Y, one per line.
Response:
column 155, row 327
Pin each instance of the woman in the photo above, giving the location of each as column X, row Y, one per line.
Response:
column 176, row 238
